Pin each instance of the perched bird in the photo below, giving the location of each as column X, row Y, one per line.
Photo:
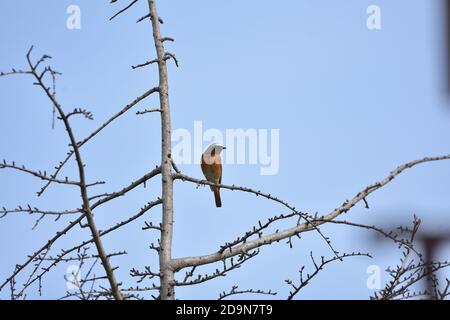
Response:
column 211, row 164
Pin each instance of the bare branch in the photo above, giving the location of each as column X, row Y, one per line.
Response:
column 46, row 246
column 171, row 56
column 390, row 235
column 128, row 188
column 39, row 174
column 148, row 273
column 149, row 225
column 118, row 114
column 79, row 257
column 182, row 177
column 318, row 268
column 124, row 9
column 167, row 39
column 218, row 273
column 167, row 56
column 82, row 184
column 148, row 16
column 59, row 167
column 258, row 230
column 33, row 210
column 63, row 253
column 235, row 291
column 268, row 239
column 79, row 111
column 145, row 64
column 13, row 72
column 174, row 166
column 76, row 222
column 264, row 195
column 148, row 111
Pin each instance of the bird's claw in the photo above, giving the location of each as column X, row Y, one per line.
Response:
column 201, row 183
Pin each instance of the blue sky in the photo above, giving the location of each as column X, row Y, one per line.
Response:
column 351, row 104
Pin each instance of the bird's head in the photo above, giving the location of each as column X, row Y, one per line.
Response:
column 214, row 148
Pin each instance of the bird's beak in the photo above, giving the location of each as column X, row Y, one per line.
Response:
column 224, row 148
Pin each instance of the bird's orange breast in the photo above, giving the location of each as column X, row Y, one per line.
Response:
column 212, row 168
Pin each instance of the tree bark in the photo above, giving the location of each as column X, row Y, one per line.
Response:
column 165, row 252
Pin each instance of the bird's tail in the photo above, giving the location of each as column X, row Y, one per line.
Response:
column 217, row 197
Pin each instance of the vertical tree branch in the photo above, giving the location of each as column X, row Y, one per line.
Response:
column 83, row 185
column 165, row 256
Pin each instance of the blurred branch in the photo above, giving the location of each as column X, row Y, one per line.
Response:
column 408, row 272
column 442, row 295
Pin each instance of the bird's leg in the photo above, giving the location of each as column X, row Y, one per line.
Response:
column 201, row 183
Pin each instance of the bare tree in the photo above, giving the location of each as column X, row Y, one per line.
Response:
column 230, row 255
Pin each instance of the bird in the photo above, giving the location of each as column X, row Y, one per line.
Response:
column 211, row 165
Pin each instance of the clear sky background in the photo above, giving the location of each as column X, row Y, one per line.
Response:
column 351, row 104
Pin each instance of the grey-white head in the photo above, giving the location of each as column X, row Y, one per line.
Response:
column 214, row 148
